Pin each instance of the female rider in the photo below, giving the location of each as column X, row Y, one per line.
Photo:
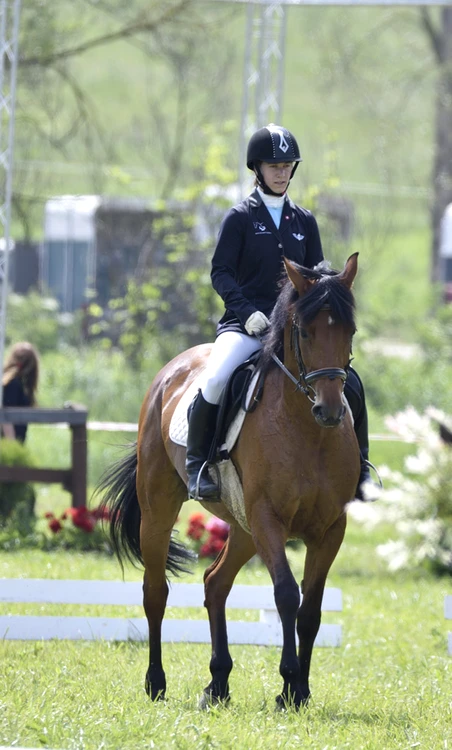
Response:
column 246, row 269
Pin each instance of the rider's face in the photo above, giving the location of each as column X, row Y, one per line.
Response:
column 277, row 176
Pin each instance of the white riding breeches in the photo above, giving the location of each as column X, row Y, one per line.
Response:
column 230, row 349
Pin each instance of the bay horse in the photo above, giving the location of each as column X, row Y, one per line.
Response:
column 298, row 460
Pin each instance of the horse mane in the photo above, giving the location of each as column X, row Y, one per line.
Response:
column 327, row 291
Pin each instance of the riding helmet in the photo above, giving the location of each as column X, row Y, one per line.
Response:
column 272, row 144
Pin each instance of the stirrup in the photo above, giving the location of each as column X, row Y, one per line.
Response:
column 199, row 497
column 370, row 465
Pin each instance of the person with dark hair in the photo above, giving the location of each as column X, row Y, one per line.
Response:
column 20, row 383
column 247, row 267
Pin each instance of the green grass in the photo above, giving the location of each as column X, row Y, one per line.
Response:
column 387, row 686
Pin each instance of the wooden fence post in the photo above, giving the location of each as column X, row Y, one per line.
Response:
column 79, row 450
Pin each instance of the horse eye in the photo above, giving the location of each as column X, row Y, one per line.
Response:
column 303, row 333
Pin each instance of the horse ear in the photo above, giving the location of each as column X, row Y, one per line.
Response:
column 347, row 276
column 301, row 284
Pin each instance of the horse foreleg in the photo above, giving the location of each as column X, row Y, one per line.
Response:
column 270, row 538
column 317, row 565
column 218, row 580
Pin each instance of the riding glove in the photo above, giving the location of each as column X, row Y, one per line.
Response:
column 257, row 323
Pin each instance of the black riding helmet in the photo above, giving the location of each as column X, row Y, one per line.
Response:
column 272, row 144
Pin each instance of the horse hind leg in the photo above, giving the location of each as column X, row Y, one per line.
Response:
column 160, row 554
column 218, row 580
column 317, row 565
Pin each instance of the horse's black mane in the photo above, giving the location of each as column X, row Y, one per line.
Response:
column 328, row 290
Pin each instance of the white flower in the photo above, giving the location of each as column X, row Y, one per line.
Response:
column 395, row 553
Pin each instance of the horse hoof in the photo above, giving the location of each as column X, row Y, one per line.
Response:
column 153, row 693
column 283, row 703
column 207, row 701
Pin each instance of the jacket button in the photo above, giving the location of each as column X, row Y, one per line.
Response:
column 279, row 245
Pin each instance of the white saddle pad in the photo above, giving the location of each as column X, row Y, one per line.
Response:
column 231, row 488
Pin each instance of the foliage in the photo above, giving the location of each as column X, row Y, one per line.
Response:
column 168, row 305
column 77, row 528
column 392, row 383
column 207, row 538
column 435, row 336
column 17, row 499
column 103, row 380
column 37, row 319
column 419, row 503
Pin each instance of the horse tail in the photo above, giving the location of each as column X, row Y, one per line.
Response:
column 120, row 505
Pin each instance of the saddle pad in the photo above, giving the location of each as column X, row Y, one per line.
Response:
column 178, row 429
column 231, row 488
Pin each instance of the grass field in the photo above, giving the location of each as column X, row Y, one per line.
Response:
column 388, row 685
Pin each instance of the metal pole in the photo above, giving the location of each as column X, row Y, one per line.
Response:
column 9, row 48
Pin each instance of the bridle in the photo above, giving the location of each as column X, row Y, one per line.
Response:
column 305, row 378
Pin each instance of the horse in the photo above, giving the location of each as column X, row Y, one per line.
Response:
column 298, row 461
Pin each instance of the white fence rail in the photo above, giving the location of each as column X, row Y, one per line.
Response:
column 265, row 632
column 448, row 616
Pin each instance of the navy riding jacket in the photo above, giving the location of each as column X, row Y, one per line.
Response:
column 247, row 265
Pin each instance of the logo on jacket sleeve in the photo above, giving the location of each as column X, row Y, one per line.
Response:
column 298, row 237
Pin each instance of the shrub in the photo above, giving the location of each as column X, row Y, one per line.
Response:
column 77, row 528
column 17, row 499
column 419, row 502
column 207, row 539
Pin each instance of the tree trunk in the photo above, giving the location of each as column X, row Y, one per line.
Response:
column 442, row 170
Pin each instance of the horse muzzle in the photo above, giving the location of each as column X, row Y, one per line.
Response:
column 326, row 416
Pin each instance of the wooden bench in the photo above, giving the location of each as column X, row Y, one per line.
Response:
column 74, row 479
column 266, row 632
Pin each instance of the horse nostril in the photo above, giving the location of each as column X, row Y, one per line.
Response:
column 325, row 418
column 317, row 411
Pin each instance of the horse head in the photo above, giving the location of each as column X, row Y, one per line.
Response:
column 321, row 326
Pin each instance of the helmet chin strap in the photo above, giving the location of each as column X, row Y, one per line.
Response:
column 263, row 185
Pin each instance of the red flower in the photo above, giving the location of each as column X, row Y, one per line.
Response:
column 212, row 547
column 196, row 526
column 218, row 528
column 83, row 519
column 100, row 513
column 55, row 526
column 195, row 532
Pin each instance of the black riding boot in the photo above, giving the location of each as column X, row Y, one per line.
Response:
column 202, row 420
column 354, row 393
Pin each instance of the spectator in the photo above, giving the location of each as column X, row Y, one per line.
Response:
column 20, row 383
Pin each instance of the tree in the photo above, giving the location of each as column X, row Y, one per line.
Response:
column 59, row 117
column 440, row 36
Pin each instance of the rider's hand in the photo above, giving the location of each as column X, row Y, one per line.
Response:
column 257, row 323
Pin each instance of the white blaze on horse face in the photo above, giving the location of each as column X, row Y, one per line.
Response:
column 331, row 321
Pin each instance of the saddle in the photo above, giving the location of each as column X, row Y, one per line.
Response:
column 233, row 399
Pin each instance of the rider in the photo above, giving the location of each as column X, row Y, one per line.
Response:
column 246, row 268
